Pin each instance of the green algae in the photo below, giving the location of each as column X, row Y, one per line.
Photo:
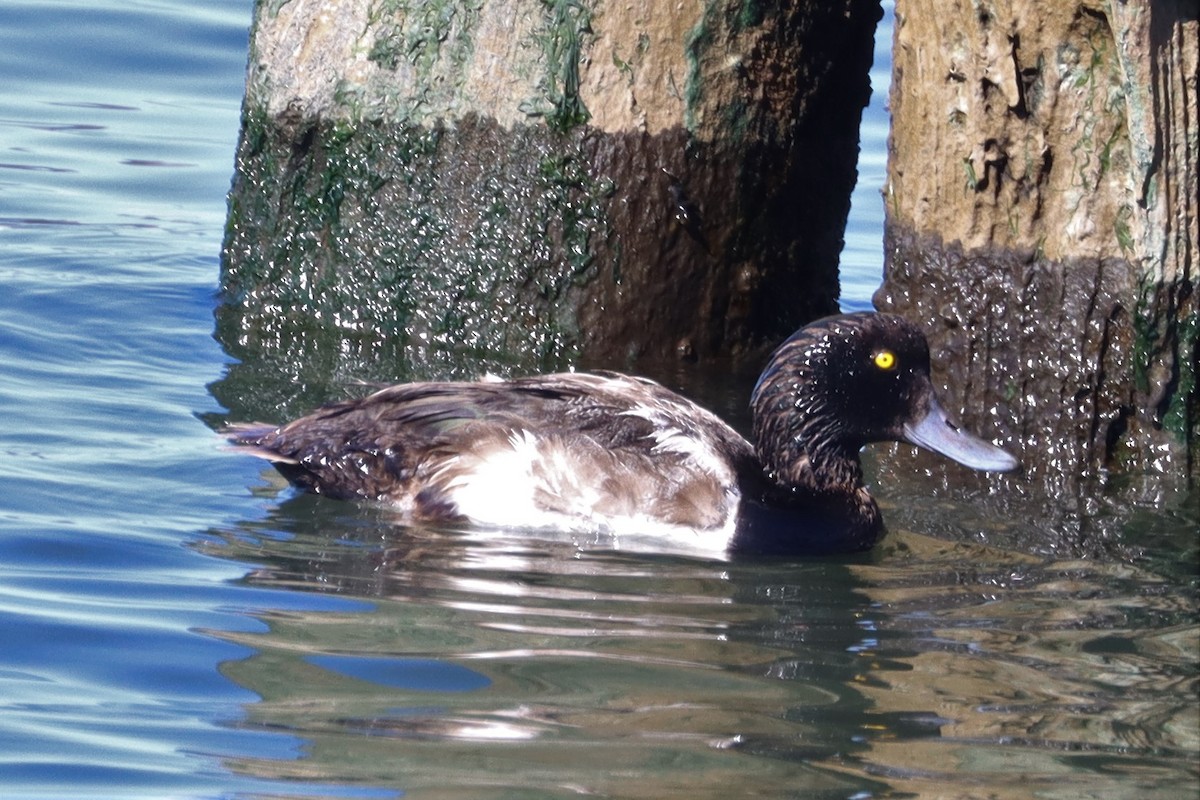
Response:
column 1182, row 415
column 401, row 233
column 416, row 32
column 562, row 42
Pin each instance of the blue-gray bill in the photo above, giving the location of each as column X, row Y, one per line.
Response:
column 936, row 432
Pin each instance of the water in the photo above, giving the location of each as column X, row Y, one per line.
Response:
column 174, row 623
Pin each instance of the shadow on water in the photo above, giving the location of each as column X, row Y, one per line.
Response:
column 488, row 665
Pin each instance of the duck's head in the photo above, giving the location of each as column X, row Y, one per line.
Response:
column 842, row 382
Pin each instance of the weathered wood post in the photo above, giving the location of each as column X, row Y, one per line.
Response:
column 535, row 181
column 1042, row 221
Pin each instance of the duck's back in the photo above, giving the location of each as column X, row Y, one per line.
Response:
column 579, row 451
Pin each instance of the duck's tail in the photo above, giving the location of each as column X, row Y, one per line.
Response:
column 249, row 438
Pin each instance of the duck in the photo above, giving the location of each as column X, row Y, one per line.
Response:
column 606, row 452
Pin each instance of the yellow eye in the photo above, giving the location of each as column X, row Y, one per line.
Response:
column 885, row 360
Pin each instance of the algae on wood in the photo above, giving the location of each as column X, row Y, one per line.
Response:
column 528, row 183
column 1042, row 222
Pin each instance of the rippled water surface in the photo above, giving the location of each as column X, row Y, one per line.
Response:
column 175, row 623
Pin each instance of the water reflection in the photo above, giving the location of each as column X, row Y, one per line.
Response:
column 621, row 674
column 491, row 665
column 1037, row 671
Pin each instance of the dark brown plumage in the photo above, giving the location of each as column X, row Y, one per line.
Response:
column 615, row 453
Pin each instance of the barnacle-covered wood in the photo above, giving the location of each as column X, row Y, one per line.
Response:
column 1042, row 222
column 466, row 185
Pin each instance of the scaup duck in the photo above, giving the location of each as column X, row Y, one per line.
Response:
column 611, row 453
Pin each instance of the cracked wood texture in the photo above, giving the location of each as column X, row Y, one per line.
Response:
column 433, row 188
column 1042, row 223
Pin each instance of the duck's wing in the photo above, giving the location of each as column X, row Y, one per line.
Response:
column 371, row 447
column 540, row 451
column 594, row 452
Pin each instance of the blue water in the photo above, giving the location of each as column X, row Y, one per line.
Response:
column 175, row 623
column 118, row 123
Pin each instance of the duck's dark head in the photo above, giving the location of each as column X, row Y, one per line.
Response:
column 842, row 382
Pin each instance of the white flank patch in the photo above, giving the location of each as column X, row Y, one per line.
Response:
column 499, row 489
